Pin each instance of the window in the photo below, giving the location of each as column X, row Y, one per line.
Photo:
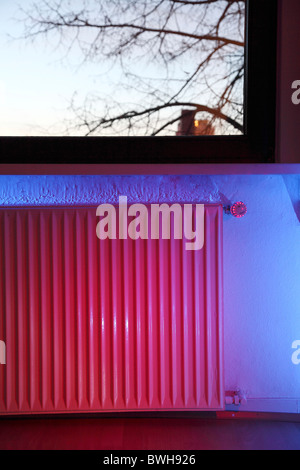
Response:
column 253, row 143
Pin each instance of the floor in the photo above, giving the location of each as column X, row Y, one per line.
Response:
column 148, row 434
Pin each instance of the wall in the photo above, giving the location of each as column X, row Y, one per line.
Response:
column 288, row 114
column 261, row 263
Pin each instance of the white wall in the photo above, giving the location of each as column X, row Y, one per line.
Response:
column 261, row 262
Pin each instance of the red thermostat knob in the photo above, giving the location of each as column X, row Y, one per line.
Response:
column 239, row 209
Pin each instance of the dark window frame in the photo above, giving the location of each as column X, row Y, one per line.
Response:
column 256, row 146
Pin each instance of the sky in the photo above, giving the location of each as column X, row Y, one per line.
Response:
column 38, row 80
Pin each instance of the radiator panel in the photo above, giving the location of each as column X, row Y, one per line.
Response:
column 110, row 325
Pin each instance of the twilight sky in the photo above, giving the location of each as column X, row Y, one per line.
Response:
column 38, row 79
column 37, row 82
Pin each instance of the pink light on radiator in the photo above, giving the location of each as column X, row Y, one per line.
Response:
column 110, row 325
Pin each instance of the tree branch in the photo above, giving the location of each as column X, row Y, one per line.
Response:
column 199, row 45
column 215, row 112
column 79, row 23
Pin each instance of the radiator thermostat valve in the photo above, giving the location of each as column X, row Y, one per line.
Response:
column 239, row 209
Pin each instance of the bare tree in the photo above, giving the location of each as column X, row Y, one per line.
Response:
column 174, row 55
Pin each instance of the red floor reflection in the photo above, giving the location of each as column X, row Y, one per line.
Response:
column 148, row 433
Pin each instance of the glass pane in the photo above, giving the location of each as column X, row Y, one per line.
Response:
column 122, row 67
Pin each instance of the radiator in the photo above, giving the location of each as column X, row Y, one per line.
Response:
column 95, row 325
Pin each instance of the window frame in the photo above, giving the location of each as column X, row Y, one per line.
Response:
column 257, row 145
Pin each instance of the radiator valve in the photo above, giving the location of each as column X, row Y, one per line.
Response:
column 239, row 210
column 235, row 398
